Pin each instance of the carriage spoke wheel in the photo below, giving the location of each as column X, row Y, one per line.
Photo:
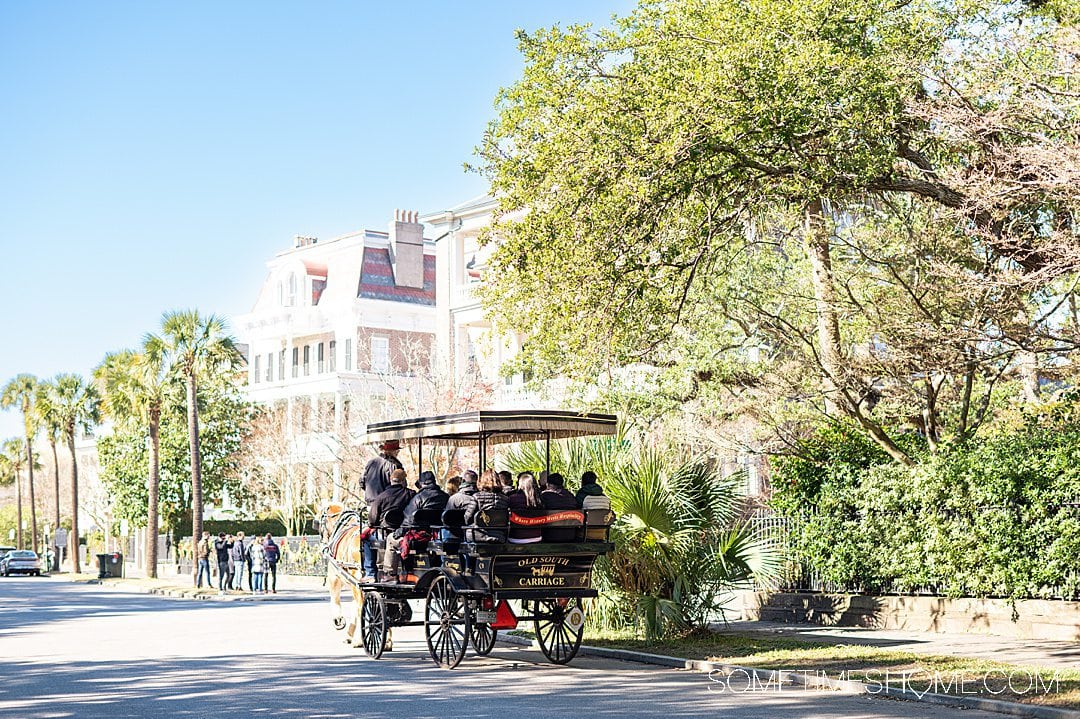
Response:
column 447, row 622
column 559, row 624
column 373, row 626
column 482, row 635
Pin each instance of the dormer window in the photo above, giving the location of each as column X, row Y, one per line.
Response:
column 292, row 290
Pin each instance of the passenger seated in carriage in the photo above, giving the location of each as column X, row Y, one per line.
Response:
column 556, row 496
column 453, row 486
column 591, row 495
column 506, row 482
column 488, row 496
column 392, row 501
column 527, row 497
column 428, row 499
column 385, row 513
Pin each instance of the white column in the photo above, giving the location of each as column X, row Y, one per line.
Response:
column 340, row 439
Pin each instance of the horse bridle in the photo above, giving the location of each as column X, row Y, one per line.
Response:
column 330, row 540
column 324, row 517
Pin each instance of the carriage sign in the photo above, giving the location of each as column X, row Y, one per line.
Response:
column 543, row 572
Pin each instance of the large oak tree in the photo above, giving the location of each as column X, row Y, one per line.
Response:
column 866, row 208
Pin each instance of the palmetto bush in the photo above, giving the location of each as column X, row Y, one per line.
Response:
column 680, row 546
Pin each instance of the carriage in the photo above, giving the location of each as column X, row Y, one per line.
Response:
column 466, row 579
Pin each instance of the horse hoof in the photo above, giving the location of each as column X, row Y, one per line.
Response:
column 339, row 623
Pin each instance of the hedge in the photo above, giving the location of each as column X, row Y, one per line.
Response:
column 995, row 516
column 250, row 527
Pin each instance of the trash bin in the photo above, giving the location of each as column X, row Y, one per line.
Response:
column 110, row 565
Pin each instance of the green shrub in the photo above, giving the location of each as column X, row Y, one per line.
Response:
column 250, row 527
column 680, row 547
column 989, row 517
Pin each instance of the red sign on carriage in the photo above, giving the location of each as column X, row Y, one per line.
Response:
column 570, row 515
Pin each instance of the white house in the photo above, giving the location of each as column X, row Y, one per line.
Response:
column 338, row 321
column 463, row 336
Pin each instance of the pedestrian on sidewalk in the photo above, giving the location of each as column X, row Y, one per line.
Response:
column 238, row 557
column 202, row 559
column 271, row 554
column 222, row 547
column 258, row 558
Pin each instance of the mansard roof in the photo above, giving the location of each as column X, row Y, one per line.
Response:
column 377, row 279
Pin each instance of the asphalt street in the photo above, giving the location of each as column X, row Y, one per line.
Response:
column 71, row 650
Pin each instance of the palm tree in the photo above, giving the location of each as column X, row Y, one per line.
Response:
column 195, row 346
column 76, row 406
column 11, row 464
column 21, row 392
column 133, row 387
column 681, row 545
column 49, row 421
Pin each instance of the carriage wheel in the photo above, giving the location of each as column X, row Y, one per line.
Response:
column 559, row 625
column 373, row 627
column 482, row 636
column 447, row 622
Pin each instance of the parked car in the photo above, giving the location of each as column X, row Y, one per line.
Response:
column 4, row 549
column 20, row 561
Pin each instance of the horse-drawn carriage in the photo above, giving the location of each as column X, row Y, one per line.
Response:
column 467, row 575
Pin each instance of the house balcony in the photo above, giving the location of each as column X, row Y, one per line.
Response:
column 464, row 296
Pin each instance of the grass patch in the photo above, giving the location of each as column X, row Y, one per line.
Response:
column 938, row 673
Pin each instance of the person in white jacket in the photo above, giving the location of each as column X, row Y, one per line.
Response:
column 258, row 566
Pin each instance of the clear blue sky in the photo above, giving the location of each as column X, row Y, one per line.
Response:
column 153, row 156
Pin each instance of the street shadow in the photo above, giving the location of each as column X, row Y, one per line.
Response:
column 511, row 683
column 29, row 601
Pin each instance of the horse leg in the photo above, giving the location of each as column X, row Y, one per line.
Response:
column 358, row 602
column 333, row 582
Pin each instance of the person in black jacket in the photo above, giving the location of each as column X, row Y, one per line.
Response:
column 395, row 497
column 464, row 496
column 428, row 497
column 488, row 496
column 556, row 496
column 376, row 477
column 222, row 546
column 392, row 500
column 271, row 555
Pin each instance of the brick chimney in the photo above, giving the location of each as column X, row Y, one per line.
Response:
column 407, row 249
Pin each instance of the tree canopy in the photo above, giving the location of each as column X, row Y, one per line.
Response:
column 124, row 454
column 847, row 206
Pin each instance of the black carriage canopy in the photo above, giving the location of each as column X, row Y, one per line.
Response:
column 493, row 427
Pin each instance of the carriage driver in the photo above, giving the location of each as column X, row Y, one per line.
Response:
column 376, row 477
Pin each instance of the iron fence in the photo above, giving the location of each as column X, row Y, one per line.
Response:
column 300, row 556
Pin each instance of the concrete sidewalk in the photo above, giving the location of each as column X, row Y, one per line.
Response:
column 290, row 588
column 1027, row 652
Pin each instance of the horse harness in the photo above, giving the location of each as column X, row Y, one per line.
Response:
column 347, row 520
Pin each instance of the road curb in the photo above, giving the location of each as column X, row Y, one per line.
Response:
column 776, row 677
